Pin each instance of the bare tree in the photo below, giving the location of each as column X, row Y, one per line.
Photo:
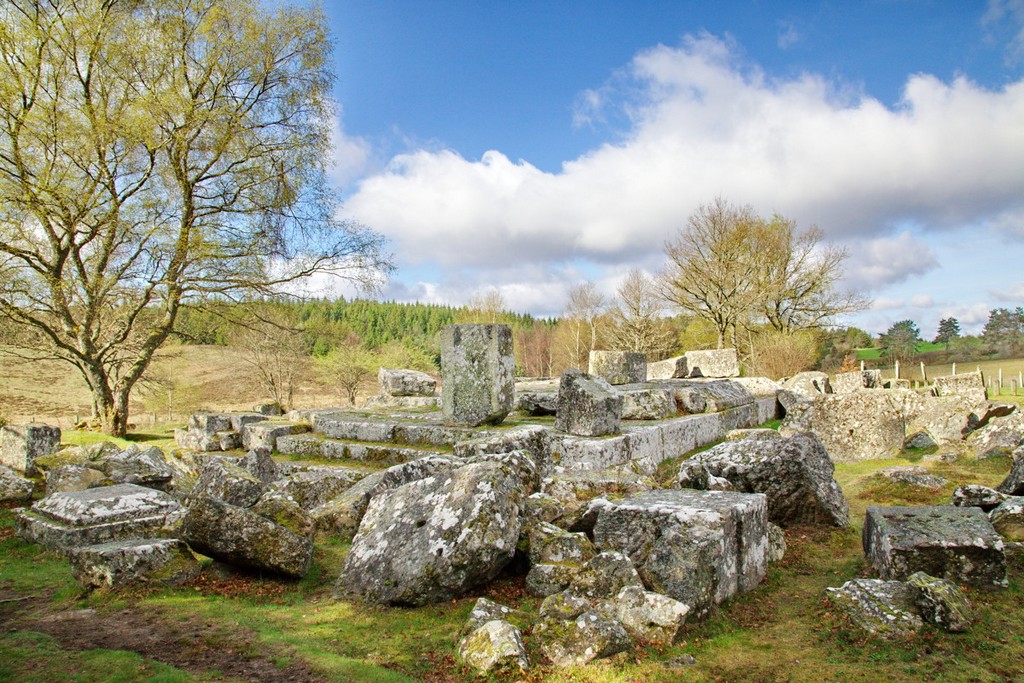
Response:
column 154, row 155
column 484, row 307
column 637, row 323
column 712, row 271
column 349, row 367
column 273, row 348
column 581, row 322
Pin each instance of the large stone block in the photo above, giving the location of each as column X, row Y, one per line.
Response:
column 587, row 405
column 848, row 382
column 398, row 382
column 618, row 367
column 699, row 547
column 139, row 560
column 20, row 445
column 954, row 543
column 15, row 488
column 969, row 384
column 713, row 363
column 477, row 374
column 670, row 368
column 107, row 513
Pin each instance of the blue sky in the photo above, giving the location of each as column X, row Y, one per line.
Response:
column 527, row 146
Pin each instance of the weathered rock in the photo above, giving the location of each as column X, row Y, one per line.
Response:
column 239, row 536
column 15, row 488
column 399, row 382
column 315, row 486
column 401, row 403
column 550, row 544
column 760, row 387
column 913, row 476
column 671, row 368
column 864, row 425
column 194, row 440
column 919, row 440
column 134, row 561
column 647, row 403
column 1013, row 484
column 529, row 438
column 969, row 384
column 715, row 396
column 477, row 372
column 581, row 639
column 944, row 541
column 896, row 384
column 536, row 403
column 810, row 384
column 794, row 473
column 604, row 575
column 495, row 644
column 108, row 513
column 776, row 543
column 587, row 406
column 713, row 363
column 618, row 367
column 848, row 382
column 1001, row 436
column 228, row 482
column 1008, row 519
column 20, row 445
column 542, row 507
column 484, row 610
column 753, row 435
column 341, row 516
column 649, row 617
column 262, row 436
column 699, row 547
column 270, row 409
column 280, row 508
column 433, row 539
column 547, row 579
column 261, row 466
column 885, row 608
column 145, row 467
column 946, row 420
column 940, row 602
column 977, row 496
column 209, row 423
column 228, row 441
column 74, row 478
column 575, row 489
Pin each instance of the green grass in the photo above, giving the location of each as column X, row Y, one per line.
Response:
column 784, row 630
column 873, row 353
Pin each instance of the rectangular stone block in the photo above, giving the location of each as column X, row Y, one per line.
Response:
column 713, row 363
column 107, row 513
column 670, row 368
column 477, row 374
column 944, row 541
column 20, row 445
column 263, row 436
column 848, row 382
column 618, row 367
column 970, row 384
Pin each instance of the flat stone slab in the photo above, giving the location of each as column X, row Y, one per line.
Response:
column 97, row 515
column 944, row 541
column 138, row 560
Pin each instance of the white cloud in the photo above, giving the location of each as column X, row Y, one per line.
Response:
column 350, row 154
column 883, row 303
column 787, row 34
column 1013, row 293
column 1007, row 15
column 922, row 301
column 705, row 124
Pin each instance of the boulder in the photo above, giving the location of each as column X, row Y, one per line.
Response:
column 495, row 644
column 13, row 487
column 209, row 423
column 955, row 543
column 713, row 363
column 282, row 509
column 477, row 374
column 74, row 478
column 270, row 409
column 587, row 406
column 20, row 445
column 228, row 482
column 699, row 547
column 977, row 496
column 262, row 436
column 547, row 579
column 341, row 516
column 649, row 617
column 580, row 638
column 145, row 467
column 432, row 539
column 1008, row 519
column 550, row 544
column 940, row 602
column 618, row 367
column 574, row 489
column 241, row 537
column 603, row 576
column 714, row 396
column 315, row 486
column 795, row 473
column 1001, row 436
column 753, row 435
column 647, row 403
column 913, row 476
column 97, row 515
column 944, row 420
column 864, row 425
column 968, row 384
column 885, row 608
column 261, row 466
column 398, row 382
column 810, row 384
column 1013, row 484
column 848, row 382
column 776, row 543
column 134, row 561
column 484, row 610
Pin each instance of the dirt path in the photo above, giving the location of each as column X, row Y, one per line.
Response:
column 192, row 646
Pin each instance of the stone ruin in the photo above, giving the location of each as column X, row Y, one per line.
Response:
column 437, row 503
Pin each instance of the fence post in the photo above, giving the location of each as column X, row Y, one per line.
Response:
column 924, row 375
column 954, row 369
column 896, row 370
column 862, row 366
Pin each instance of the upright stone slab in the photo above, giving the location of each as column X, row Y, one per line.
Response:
column 20, row 445
column 713, row 363
column 619, row 367
column 587, row 406
column 954, row 543
column 66, row 520
column 970, row 384
column 477, row 374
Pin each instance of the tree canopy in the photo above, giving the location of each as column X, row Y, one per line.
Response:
column 155, row 154
column 901, row 340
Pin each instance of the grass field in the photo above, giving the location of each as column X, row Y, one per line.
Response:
column 230, row 627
